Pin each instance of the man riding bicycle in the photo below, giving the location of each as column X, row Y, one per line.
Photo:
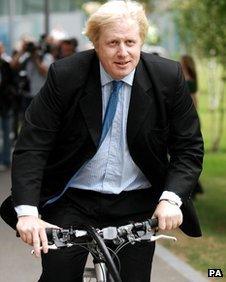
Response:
column 112, row 136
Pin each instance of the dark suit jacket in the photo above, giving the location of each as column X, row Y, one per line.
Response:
column 63, row 127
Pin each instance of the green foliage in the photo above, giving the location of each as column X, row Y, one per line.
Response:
column 209, row 250
column 81, row 2
column 202, row 26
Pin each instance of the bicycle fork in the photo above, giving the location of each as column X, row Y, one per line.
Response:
column 101, row 271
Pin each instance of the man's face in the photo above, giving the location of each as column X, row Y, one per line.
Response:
column 119, row 47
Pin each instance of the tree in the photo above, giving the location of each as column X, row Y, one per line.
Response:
column 202, row 25
column 202, row 28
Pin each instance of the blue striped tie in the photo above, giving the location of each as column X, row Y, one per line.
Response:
column 111, row 109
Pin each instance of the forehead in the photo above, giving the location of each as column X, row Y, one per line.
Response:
column 120, row 28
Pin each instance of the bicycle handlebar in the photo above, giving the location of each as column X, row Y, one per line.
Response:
column 135, row 231
column 68, row 237
column 129, row 232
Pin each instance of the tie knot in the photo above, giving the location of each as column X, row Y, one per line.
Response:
column 117, row 84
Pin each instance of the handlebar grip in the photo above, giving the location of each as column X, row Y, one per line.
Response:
column 153, row 222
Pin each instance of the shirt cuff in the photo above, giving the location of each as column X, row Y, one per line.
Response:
column 26, row 210
column 167, row 195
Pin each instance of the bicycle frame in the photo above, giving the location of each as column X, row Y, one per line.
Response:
column 99, row 272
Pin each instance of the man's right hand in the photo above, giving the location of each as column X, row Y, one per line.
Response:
column 32, row 231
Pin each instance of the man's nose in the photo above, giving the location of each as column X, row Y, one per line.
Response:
column 122, row 49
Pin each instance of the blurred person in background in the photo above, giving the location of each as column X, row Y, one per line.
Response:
column 4, row 56
column 95, row 142
column 17, row 111
column 32, row 66
column 7, row 95
column 68, row 47
column 190, row 74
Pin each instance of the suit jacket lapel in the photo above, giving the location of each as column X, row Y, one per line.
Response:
column 140, row 102
column 91, row 103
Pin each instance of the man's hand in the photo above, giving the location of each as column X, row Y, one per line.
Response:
column 32, row 232
column 169, row 215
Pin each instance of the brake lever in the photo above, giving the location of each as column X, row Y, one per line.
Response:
column 50, row 247
column 161, row 236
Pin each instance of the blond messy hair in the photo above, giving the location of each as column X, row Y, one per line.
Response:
column 112, row 11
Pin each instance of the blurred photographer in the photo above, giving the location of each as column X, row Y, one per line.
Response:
column 32, row 67
column 7, row 96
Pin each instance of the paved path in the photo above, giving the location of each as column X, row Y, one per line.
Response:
column 17, row 265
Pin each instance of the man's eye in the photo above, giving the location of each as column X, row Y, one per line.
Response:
column 112, row 43
column 130, row 42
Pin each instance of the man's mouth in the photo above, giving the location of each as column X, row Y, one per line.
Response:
column 122, row 63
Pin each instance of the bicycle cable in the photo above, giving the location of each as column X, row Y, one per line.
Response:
column 118, row 260
column 93, row 254
column 109, row 261
column 119, row 248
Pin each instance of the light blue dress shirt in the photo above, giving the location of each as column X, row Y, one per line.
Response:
column 112, row 169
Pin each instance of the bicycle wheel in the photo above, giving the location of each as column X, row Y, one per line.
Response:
column 89, row 275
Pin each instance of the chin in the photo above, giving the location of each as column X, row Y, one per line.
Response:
column 121, row 74
column 118, row 76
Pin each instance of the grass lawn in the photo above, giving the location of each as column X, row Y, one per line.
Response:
column 208, row 251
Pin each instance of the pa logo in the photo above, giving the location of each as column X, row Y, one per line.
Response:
column 215, row 272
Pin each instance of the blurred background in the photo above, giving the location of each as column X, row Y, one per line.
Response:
column 34, row 33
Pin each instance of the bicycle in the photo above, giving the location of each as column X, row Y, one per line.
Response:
column 94, row 240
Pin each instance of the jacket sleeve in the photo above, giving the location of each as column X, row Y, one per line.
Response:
column 42, row 121
column 185, row 143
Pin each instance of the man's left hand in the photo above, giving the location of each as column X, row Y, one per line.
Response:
column 169, row 215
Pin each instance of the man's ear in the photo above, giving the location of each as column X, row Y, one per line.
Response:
column 96, row 45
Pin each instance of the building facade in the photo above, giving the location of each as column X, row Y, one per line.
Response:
column 27, row 17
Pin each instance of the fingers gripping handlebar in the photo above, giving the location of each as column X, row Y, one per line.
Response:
column 132, row 232
column 137, row 231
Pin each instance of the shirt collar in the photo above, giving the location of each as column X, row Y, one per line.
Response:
column 106, row 78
